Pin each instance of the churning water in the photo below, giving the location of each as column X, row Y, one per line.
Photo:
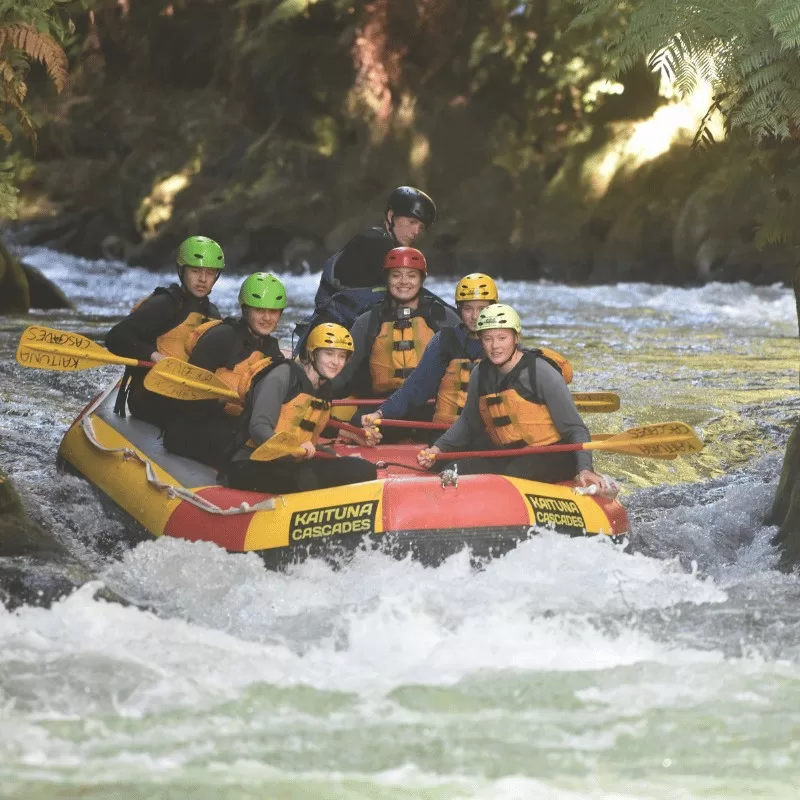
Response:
column 568, row 669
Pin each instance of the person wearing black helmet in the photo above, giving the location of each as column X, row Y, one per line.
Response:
column 352, row 279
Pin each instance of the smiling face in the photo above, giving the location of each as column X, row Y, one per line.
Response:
column 499, row 344
column 199, row 281
column 329, row 361
column 406, row 230
column 470, row 310
column 261, row 321
column 404, row 284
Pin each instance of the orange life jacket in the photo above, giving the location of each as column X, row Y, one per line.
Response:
column 517, row 416
column 303, row 412
column 399, row 342
column 452, row 392
column 172, row 342
column 239, row 375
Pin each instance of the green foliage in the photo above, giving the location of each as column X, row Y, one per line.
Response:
column 30, row 31
column 749, row 52
column 746, row 49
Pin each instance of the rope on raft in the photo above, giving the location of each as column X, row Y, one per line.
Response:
column 172, row 491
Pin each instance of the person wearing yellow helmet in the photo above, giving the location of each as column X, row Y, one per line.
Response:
column 159, row 326
column 519, row 398
column 234, row 349
column 443, row 371
column 295, row 397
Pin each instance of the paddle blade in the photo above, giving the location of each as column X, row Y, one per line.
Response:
column 602, row 437
column 663, row 440
column 48, row 348
column 280, row 445
column 596, row 402
column 174, row 378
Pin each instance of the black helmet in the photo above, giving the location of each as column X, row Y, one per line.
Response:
column 406, row 201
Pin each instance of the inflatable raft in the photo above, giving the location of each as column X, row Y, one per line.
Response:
column 427, row 515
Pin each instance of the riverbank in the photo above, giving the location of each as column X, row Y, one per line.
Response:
column 630, row 203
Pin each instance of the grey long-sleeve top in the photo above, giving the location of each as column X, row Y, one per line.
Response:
column 550, row 387
column 268, row 397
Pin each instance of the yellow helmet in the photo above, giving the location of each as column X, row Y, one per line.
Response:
column 329, row 334
column 499, row 316
column 476, row 286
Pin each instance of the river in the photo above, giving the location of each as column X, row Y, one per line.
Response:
column 569, row 669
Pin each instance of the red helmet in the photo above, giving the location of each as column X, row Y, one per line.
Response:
column 408, row 257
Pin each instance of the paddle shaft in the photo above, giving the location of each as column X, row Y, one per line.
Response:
column 598, row 402
column 410, row 423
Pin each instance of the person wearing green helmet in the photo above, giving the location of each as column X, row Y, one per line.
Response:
column 518, row 398
column 235, row 348
column 159, row 326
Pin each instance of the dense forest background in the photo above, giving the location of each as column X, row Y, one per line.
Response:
column 575, row 140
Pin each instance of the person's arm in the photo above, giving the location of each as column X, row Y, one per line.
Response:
column 268, row 398
column 468, row 426
column 551, row 388
column 361, row 261
column 360, row 352
column 135, row 336
column 420, row 386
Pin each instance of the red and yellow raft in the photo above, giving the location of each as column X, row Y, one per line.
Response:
column 403, row 511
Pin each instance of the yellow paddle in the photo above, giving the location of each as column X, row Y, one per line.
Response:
column 175, row 378
column 662, row 440
column 48, row 348
column 596, row 402
column 280, row 445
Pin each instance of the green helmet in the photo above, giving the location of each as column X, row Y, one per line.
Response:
column 498, row 316
column 200, row 251
column 262, row 290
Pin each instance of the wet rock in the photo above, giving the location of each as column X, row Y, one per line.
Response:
column 44, row 293
column 34, row 567
column 14, row 291
column 785, row 510
column 302, row 255
column 786, row 507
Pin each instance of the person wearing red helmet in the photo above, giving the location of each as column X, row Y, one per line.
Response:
column 352, row 278
column 391, row 337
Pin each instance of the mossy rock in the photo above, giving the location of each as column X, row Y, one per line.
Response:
column 14, row 292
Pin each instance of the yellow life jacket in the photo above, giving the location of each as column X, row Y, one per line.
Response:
column 305, row 415
column 399, row 342
column 452, row 392
column 239, row 376
column 173, row 341
column 516, row 416
column 555, row 359
column 303, row 412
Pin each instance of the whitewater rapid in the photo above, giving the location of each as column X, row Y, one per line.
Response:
column 568, row 669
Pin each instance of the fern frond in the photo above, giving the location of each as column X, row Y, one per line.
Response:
column 40, row 47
